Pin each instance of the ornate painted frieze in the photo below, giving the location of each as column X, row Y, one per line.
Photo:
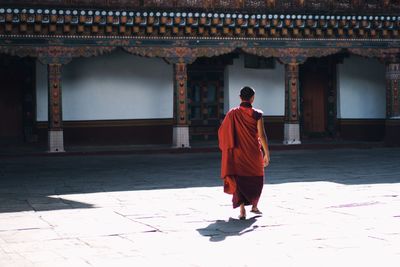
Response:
column 220, row 5
column 86, row 23
column 291, row 55
column 55, row 54
column 189, row 54
column 182, row 52
column 387, row 54
column 180, row 94
column 292, row 92
column 55, row 101
column 172, row 54
column 179, row 54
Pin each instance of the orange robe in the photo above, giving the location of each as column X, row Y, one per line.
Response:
column 242, row 166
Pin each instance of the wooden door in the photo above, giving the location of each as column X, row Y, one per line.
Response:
column 16, row 100
column 205, row 92
column 10, row 104
column 315, row 82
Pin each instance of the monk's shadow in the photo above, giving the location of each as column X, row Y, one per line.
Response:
column 221, row 229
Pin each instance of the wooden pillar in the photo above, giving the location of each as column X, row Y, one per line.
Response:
column 181, row 123
column 392, row 90
column 292, row 124
column 55, row 130
column 392, row 133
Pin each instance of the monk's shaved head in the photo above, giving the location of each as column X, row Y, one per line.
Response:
column 246, row 93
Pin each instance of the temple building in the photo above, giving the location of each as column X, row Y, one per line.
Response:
column 116, row 72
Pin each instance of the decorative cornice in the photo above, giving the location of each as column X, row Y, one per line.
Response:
column 55, row 54
column 291, row 55
column 174, row 54
column 354, row 6
column 84, row 23
column 370, row 52
column 182, row 52
column 387, row 55
column 179, row 54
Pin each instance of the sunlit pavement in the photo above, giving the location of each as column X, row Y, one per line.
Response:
column 321, row 208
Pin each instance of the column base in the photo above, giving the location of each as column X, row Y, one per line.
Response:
column 56, row 141
column 291, row 134
column 180, row 137
column 392, row 132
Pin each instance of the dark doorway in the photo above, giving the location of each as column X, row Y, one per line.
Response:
column 318, row 97
column 16, row 100
column 206, row 95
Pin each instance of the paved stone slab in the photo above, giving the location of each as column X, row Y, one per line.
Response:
column 321, row 208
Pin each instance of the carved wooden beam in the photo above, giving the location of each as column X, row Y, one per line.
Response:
column 55, row 54
column 179, row 54
column 370, row 52
column 182, row 54
column 291, row 55
column 82, row 23
column 212, row 51
column 386, row 54
column 264, row 5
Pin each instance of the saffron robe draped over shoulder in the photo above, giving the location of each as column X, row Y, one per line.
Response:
column 242, row 166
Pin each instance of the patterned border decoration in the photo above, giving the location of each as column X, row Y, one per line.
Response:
column 91, row 23
column 55, row 54
column 179, row 54
column 224, row 5
column 291, row 55
column 292, row 92
column 388, row 54
column 55, row 96
column 180, row 94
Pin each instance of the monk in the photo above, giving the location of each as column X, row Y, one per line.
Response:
column 245, row 153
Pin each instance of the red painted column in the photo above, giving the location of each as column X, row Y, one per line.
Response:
column 181, row 123
column 292, row 124
column 392, row 90
column 55, row 130
column 392, row 134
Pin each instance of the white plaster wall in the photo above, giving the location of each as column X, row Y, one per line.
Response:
column 41, row 92
column 268, row 83
column 226, row 90
column 114, row 86
column 361, row 89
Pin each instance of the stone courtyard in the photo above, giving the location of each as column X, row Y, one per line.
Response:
column 337, row 207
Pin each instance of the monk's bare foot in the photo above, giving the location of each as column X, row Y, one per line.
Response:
column 242, row 215
column 255, row 210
